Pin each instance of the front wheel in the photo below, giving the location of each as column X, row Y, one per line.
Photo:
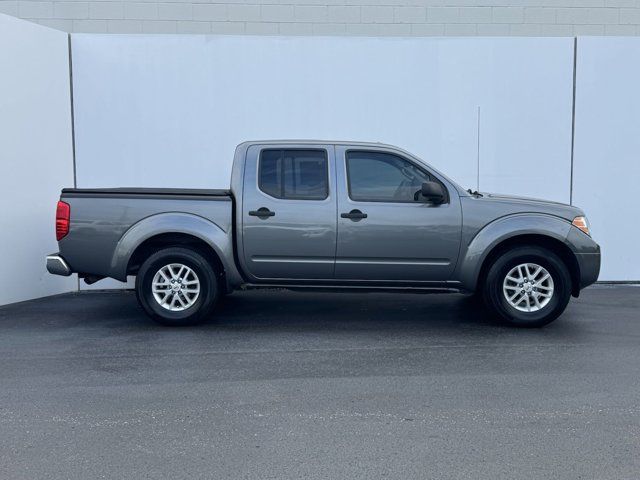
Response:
column 527, row 286
column 177, row 287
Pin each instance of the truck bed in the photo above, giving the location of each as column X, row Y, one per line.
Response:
column 101, row 218
column 146, row 191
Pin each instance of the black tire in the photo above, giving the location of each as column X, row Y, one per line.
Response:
column 205, row 300
column 496, row 301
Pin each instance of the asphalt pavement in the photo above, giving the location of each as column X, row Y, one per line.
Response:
column 283, row 385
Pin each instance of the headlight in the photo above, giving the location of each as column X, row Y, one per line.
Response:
column 583, row 224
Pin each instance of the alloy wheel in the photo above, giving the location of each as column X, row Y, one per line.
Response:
column 175, row 287
column 528, row 287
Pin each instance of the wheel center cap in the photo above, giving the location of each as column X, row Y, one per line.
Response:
column 528, row 287
column 175, row 287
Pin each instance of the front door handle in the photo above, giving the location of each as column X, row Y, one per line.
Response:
column 354, row 215
column 262, row 212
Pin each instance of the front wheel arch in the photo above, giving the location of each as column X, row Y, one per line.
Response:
column 550, row 243
column 501, row 288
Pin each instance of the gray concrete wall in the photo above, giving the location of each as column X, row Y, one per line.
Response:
column 337, row 17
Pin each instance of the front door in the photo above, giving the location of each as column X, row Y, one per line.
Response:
column 385, row 232
column 289, row 212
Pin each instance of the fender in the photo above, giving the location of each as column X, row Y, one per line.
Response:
column 503, row 229
column 174, row 222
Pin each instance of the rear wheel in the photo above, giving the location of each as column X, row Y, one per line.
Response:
column 527, row 286
column 177, row 287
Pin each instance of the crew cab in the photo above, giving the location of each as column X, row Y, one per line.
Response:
column 320, row 214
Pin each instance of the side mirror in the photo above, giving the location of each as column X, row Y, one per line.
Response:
column 433, row 192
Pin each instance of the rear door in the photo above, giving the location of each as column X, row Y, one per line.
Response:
column 289, row 212
column 385, row 232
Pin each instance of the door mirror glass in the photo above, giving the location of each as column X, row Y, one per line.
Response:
column 433, row 192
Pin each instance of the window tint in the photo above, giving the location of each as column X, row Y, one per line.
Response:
column 294, row 174
column 382, row 177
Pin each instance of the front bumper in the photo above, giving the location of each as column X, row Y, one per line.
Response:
column 57, row 265
column 589, row 267
column 587, row 253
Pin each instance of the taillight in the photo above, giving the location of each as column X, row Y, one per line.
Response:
column 63, row 214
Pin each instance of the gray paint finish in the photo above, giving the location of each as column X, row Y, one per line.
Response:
column 106, row 229
column 417, row 242
column 307, row 241
column 299, row 241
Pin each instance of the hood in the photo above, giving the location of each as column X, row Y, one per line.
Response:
column 517, row 198
column 527, row 204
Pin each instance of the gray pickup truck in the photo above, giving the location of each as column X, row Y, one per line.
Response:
column 317, row 214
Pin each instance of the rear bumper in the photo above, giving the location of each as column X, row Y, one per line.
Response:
column 56, row 265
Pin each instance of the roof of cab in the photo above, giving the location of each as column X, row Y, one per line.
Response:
column 245, row 145
column 294, row 141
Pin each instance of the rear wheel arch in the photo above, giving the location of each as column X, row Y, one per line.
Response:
column 175, row 228
column 176, row 239
column 539, row 240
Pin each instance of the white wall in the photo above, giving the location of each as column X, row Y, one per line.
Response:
column 607, row 149
column 35, row 155
column 169, row 110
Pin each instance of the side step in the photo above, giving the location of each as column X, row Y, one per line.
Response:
column 350, row 288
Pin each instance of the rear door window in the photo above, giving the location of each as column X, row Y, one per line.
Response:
column 294, row 174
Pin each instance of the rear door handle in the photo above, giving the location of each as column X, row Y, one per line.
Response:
column 354, row 215
column 262, row 212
